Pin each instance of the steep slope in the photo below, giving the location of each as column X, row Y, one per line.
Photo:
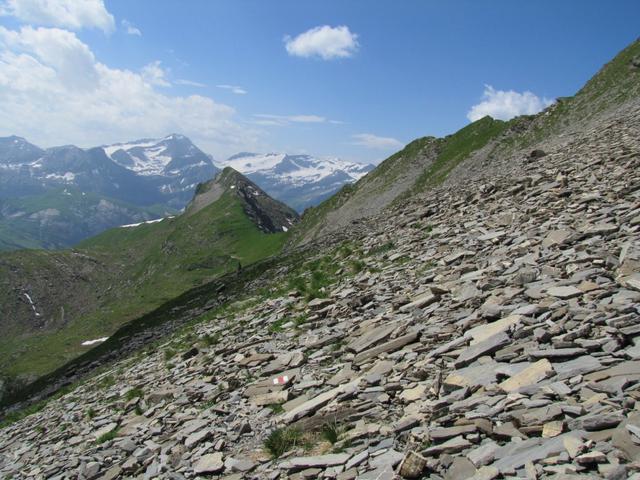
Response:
column 396, row 177
column 300, row 181
column 484, row 148
column 53, row 301
column 476, row 330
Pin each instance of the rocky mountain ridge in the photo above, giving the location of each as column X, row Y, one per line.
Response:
column 300, row 181
column 56, row 197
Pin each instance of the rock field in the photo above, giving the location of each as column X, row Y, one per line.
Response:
column 492, row 333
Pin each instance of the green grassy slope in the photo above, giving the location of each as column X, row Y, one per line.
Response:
column 141, row 268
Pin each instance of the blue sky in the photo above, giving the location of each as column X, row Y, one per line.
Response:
column 365, row 78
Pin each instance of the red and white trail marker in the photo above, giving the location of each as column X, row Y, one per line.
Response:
column 281, row 380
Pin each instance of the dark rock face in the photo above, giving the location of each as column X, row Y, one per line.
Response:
column 269, row 215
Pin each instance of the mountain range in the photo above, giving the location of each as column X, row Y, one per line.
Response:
column 56, row 197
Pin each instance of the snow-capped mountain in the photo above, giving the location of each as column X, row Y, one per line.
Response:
column 153, row 175
column 168, row 156
column 173, row 164
column 145, row 172
column 300, row 181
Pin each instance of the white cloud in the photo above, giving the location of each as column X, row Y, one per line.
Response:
column 281, row 120
column 234, row 88
column 130, row 28
column 373, row 141
column 325, row 42
column 504, row 105
column 189, row 83
column 73, row 14
column 53, row 91
column 155, row 74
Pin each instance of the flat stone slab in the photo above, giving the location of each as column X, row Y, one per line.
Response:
column 578, row 366
column 474, row 375
column 624, row 369
column 370, row 338
column 453, row 445
column 482, row 332
column 530, row 375
column 485, row 347
column 516, row 454
column 557, row 353
column 317, row 402
column 390, row 346
column 420, row 301
column 439, row 434
column 564, row 292
column 320, row 461
column 210, row 463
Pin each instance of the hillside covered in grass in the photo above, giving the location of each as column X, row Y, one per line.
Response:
column 54, row 301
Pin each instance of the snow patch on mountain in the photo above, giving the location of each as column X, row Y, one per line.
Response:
column 300, row 181
column 297, row 170
column 153, row 156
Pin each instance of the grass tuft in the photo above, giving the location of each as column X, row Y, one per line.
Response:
column 282, row 440
column 107, row 436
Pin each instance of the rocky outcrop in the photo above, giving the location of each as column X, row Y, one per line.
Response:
column 269, row 215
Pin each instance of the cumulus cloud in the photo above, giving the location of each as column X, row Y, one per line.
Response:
column 504, row 105
column 233, row 88
column 369, row 140
column 73, row 14
column 325, row 42
column 155, row 74
column 53, row 91
column 282, row 120
column 130, row 29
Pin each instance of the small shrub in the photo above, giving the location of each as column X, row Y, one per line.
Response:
column 136, row 392
column 276, row 407
column 91, row 413
column 106, row 382
column 385, row 247
column 107, row 436
column 210, row 340
column 331, row 432
column 276, row 326
column 282, row 440
column 356, row 266
column 300, row 320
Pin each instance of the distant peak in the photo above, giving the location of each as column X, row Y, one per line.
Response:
column 175, row 136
